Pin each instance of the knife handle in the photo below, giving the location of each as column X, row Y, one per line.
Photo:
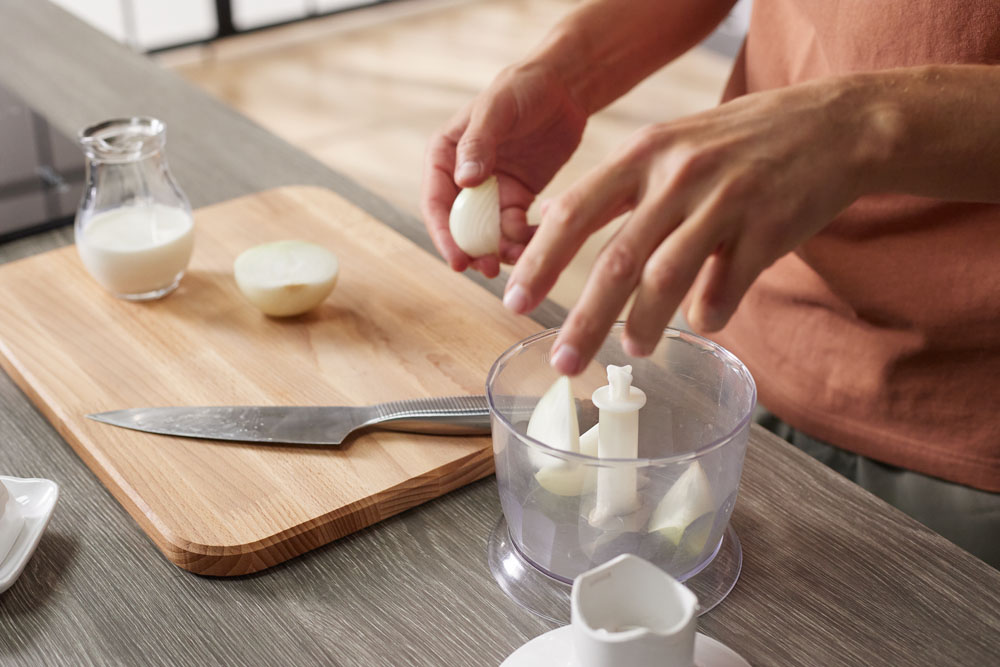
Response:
column 450, row 415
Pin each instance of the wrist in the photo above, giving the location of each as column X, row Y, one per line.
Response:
column 878, row 128
column 605, row 47
column 565, row 56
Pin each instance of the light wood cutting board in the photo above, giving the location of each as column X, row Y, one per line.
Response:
column 400, row 324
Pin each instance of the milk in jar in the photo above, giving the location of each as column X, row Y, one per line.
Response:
column 137, row 250
column 133, row 228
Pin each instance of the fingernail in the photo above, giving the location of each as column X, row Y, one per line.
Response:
column 566, row 359
column 467, row 170
column 516, row 299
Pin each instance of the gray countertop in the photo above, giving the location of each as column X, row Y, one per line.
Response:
column 832, row 576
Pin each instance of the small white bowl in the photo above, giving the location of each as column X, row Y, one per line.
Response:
column 25, row 514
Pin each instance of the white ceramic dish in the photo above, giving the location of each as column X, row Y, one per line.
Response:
column 555, row 649
column 11, row 522
column 27, row 514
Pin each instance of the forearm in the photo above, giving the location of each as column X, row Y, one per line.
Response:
column 606, row 47
column 930, row 131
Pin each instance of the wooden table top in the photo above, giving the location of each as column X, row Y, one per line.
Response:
column 831, row 575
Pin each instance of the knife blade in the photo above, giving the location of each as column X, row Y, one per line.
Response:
column 307, row 425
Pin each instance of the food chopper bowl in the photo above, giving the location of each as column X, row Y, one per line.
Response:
column 695, row 424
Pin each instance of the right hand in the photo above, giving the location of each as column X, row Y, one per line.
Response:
column 521, row 129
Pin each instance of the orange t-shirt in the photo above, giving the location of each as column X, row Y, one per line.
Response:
column 881, row 334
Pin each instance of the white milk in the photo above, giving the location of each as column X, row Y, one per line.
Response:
column 137, row 249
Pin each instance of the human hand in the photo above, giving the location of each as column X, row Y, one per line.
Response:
column 521, row 129
column 714, row 198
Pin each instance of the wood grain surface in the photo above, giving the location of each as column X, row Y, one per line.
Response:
column 399, row 325
column 832, row 576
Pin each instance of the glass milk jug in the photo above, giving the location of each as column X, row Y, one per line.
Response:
column 134, row 229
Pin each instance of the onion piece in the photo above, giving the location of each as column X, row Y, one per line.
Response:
column 689, row 500
column 553, row 421
column 286, row 278
column 569, row 478
column 475, row 219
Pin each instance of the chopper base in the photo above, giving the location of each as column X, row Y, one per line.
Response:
column 548, row 597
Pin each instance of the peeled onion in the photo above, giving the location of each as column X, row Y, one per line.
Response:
column 475, row 219
column 687, row 501
column 553, row 421
column 286, row 278
column 570, row 478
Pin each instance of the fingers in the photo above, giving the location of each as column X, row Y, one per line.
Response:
column 568, row 220
column 710, row 255
column 488, row 265
column 611, row 282
column 515, row 232
column 728, row 276
column 514, row 225
column 668, row 275
column 475, row 158
column 437, row 194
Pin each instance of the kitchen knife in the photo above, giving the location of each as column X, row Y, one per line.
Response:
column 307, row 425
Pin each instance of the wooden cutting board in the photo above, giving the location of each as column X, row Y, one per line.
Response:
column 400, row 324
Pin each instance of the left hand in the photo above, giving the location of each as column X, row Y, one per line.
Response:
column 521, row 129
column 714, row 199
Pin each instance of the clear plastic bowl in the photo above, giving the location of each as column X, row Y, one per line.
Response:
column 699, row 402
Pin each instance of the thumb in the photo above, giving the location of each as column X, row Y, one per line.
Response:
column 476, row 150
